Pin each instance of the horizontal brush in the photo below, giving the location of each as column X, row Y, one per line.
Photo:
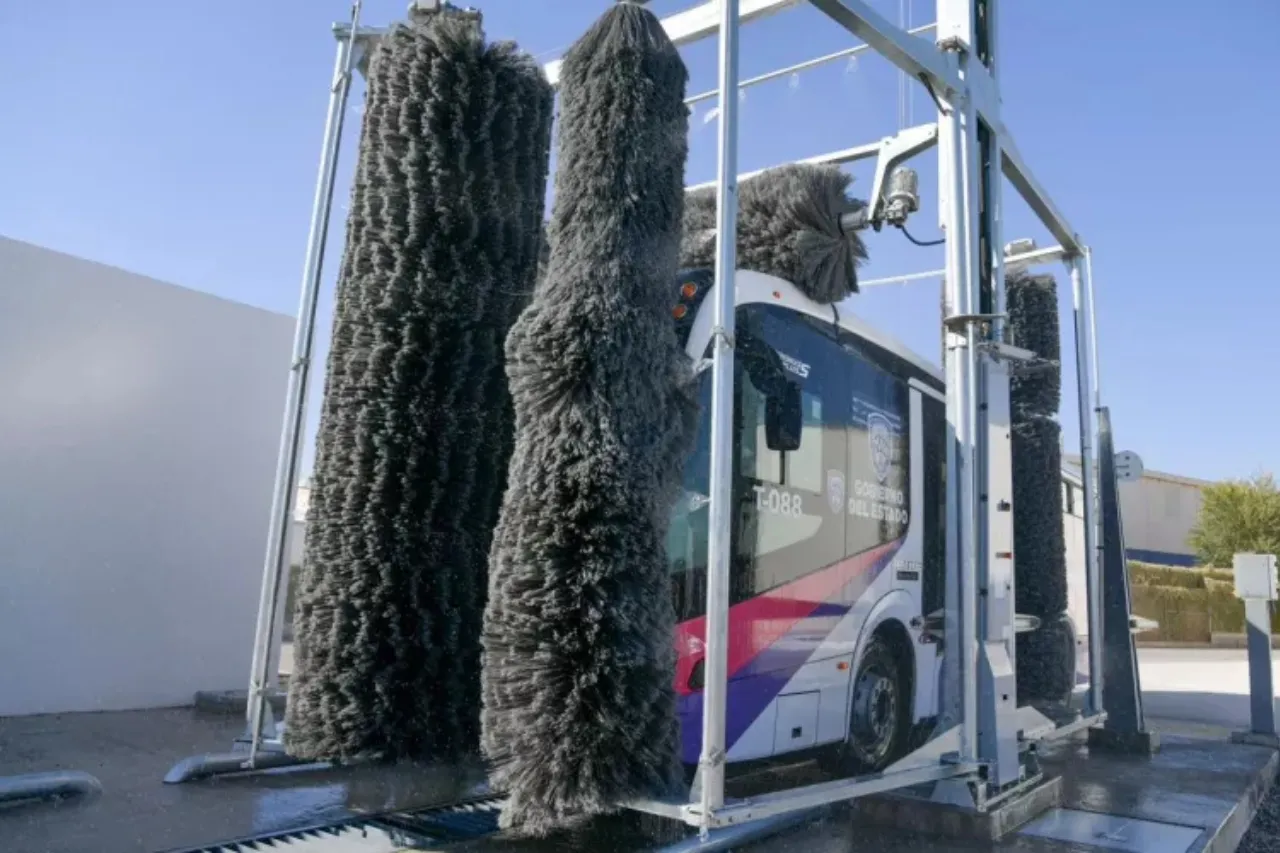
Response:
column 796, row 222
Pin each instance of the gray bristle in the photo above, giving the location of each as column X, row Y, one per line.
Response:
column 579, row 700
column 788, row 226
column 1046, row 658
column 1032, row 306
column 415, row 430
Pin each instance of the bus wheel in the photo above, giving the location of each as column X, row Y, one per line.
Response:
column 880, row 710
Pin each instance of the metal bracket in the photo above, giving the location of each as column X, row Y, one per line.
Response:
column 715, row 759
column 959, row 322
column 1008, row 352
column 720, row 333
column 893, row 151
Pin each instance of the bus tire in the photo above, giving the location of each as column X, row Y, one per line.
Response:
column 880, row 710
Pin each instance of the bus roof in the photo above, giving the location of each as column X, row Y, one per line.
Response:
column 759, row 287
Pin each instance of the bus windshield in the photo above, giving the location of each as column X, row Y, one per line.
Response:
column 840, row 491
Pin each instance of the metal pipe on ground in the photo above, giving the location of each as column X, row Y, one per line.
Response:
column 47, row 786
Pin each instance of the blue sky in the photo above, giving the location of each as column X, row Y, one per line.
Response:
column 180, row 140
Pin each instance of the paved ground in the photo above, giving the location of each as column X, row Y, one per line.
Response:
column 1204, row 685
column 130, row 753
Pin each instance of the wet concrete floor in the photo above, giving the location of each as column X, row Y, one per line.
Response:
column 1191, row 782
column 1208, row 788
column 1212, row 787
column 129, row 752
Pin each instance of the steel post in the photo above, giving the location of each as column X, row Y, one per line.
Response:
column 1122, row 694
column 955, row 122
column 713, row 757
column 1262, row 694
column 1089, row 479
column 274, row 565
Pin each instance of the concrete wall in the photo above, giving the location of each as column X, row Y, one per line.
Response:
column 1159, row 512
column 138, row 438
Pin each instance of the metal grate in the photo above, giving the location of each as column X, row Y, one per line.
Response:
column 450, row 823
column 340, row 839
column 390, row 833
column 1113, row 832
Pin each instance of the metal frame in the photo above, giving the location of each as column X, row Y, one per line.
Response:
column 261, row 746
column 1259, row 596
column 975, row 150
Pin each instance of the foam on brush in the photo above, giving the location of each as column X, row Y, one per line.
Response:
column 579, row 703
column 788, row 226
column 441, row 255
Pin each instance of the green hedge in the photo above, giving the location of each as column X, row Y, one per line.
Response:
column 1189, row 604
column 1149, row 574
column 1183, row 613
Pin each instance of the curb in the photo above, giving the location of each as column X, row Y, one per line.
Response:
column 234, row 701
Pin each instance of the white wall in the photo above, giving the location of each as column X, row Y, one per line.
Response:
column 1159, row 513
column 138, row 434
column 1077, row 582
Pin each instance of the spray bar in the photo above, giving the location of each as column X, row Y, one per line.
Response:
column 922, row 136
column 698, row 23
column 797, row 68
column 1031, row 258
column 921, row 61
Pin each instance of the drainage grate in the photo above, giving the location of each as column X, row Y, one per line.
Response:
column 389, row 833
column 449, row 823
column 1113, row 832
column 352, row 838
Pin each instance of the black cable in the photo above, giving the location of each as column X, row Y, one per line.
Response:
column 907, row 234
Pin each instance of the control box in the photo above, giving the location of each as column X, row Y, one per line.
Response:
column 1256, row 576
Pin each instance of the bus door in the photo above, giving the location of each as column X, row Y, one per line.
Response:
column 880, row 499
column 787, row 528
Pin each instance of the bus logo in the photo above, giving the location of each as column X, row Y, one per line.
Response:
column 883, row 439
column 794, row 365
column 835, row 491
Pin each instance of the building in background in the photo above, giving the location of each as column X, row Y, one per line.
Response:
column 138, row 439
column 1159, row 512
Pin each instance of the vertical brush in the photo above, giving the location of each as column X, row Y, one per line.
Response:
column 1046, row 657
column 441, row 254
column 579, row 664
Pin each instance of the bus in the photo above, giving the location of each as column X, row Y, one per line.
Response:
column 837, row 551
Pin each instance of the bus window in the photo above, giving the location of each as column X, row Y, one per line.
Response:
column 790, row 519
column 687, row 535
column 935, row 504
column 879, row 457
column 788, row 507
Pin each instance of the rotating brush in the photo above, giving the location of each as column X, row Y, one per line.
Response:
column 579, row 701
column 794, row 222
column 442, row 251
column 1046, row 657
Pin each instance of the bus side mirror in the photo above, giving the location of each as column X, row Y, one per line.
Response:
column 782, row 418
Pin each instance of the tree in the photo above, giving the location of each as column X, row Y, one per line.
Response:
column 1238, row 516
